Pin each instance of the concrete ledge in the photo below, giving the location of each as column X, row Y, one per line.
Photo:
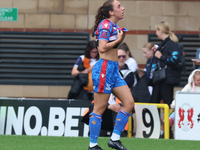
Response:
column 29, row 91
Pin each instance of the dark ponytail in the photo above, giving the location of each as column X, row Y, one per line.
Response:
column 98, row 19
column 102, row 13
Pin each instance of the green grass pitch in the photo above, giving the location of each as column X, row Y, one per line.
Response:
column 14, row 142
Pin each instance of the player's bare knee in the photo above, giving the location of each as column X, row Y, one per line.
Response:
column 99, row 110
column 129, row 105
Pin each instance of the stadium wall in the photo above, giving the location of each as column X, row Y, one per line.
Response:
column 78, row 16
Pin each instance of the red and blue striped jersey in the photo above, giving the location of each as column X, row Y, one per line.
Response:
column 107, row 30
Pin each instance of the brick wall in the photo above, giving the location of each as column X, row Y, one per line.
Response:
column 78, row 16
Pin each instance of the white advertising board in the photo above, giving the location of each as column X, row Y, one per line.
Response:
column 187, row 116
column 148, row 121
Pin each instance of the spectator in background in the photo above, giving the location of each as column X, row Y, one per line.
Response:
column 90, row 56
column 196, row 61
column 82, row 71
column 143, row 89
column 166, row 56
column 148, row 52
column 130, row 61
column 124, row 69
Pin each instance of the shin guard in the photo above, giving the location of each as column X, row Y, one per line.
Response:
column 121, row 121
column 95, row 127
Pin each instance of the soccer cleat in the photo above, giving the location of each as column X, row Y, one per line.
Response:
column 95, row 148
column 116, row 144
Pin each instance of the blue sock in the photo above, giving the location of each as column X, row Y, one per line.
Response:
column 95, row 127
column 120, row 122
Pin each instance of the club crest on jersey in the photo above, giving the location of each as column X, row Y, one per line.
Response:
column 104, row 34
column 108, row 87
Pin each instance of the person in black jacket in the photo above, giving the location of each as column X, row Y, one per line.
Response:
column 167, row 55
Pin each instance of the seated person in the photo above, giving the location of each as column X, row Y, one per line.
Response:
column 130, row 61
column 82, row 72
column 127, row 73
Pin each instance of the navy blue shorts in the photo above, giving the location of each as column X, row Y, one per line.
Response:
column 106, row 76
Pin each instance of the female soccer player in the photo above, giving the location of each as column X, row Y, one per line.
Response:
column 105, row 74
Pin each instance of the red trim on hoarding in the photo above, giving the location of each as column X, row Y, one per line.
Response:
column 132, row 32
column 180, row 32
column 36, row 30
column 68, row 30
column 5, row 29
column 193, row 32
column 137, row 32
column 152, row 31
column 143, row 31
column 82, row 30
column 141, row 66
column 55, row 30
column 18, row 29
